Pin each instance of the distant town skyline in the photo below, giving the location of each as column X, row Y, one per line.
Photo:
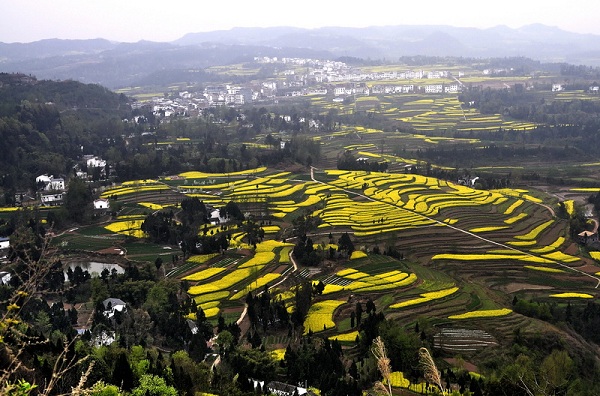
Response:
column 134, row 20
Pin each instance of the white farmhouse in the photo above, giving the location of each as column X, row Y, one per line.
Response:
column 95, row 162
column 50, row 183
column 101, row 204
column 112, row 305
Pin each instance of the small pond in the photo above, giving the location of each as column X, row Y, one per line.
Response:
column 95, row 268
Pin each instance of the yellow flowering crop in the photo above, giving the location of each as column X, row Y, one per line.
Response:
column 560, row 256
column 151, row 205
column 450, row 221
column 270, row 245
column 129, row 228
column 139, row 182
column 224, row 283
column 356, row 275
column 118, row 191
column 426, row 297
column 259, row 259
column 202, row 258
column 204, row 274
column 374, row 283
column 260, row 282
column 543, row 269
column 347, row 271
column 488, row 229
column 569, row 206
column 532, row 198
column 284, row 254
column 346, row 337
column 512, row 207
column 572, row 295
column 216, row 296
column 535, row 232
column 357, row 254
column 320, row 315
column 553, row 246
column 211, row 312
column 595, row 255
column 397, row 380
column 200, row 175
column 521, row 243
column 210, row 304
column 332, row 288
column 484, row 257
column 483, row 313
column 516, row 218
column 278, row 354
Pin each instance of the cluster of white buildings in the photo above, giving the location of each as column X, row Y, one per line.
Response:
column 301, row 77
column 51, row 189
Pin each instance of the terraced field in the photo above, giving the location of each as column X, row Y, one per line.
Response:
column 464, row 252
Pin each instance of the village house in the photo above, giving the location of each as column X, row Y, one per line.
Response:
column 434, row 88
column 282, row 389
column 50, row 183
column 113, row 305
column 94, row 162
column 51, row 198
column 451, row 88
column 5, row 277
column 25, row 199
column 587, row 237
column 101, row 205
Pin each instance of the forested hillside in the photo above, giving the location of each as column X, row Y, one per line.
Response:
column 45, row 126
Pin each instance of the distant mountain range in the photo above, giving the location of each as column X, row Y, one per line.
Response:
column 144, row 63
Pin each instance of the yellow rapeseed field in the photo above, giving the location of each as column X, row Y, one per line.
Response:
column 204, row 274
column 426, row 297
column 202, row 258
column 484, row 257
column 531, row 235
column 320, row 315
column 484, row 313
column 346, row 337
column 543, row 269
column 595, row 255
column 129, row 228
column 259, row 259
column 572, row 295
column 260, row 282
column 357, row 254
column 224, row 283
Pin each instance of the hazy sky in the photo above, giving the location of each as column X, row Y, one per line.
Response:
column 134, row 20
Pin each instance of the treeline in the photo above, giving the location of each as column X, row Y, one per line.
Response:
column 348, row 161
column 45, row 126
column 530, row 106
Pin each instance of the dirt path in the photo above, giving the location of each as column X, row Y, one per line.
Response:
column 503, row 246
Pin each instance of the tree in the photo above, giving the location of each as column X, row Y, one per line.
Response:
column 345, row 244
column 152, row 385
column 78, row 201
column 225, row 342
column 123, row 374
